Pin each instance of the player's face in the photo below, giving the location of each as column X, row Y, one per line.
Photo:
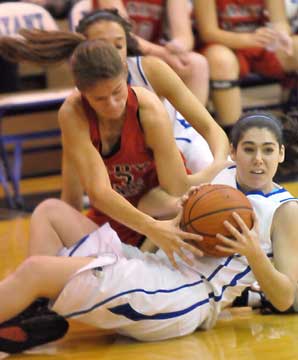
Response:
column 257, row 157
column 110, row 32
column 108, row 97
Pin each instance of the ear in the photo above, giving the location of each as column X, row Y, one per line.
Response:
column 281, row 154
column 232, row 152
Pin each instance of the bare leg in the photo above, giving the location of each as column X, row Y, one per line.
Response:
column 224, row 66
column 37, row 276
column 193, row 70
column 196, row 76
column 55, row 224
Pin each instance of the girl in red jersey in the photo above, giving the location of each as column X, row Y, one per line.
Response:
column 240, row 41
column 120, row 141
column 148, row 18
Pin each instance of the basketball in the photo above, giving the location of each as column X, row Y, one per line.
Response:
column 206, row 210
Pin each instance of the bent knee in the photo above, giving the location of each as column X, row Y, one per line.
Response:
column 30, row 271
column 48, row 206
column 223, row 62
column 198, row 61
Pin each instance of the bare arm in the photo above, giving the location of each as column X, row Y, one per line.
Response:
column 278, row 281
column 72, row 190
column 113, row 4
column 159, row 137
column 210, row 32
column 146, row 46
column 285, row 247
column 166, row 83
column 95, row 180
column 180, row 26
column 277, row 15
column 91, row 169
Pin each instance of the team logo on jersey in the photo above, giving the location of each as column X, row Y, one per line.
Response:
column 128, row 178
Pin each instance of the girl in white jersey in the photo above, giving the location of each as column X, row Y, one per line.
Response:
column 99, row 281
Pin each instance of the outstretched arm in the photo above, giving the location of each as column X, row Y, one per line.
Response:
column 72, row 190
column 278, row 281
column 95, row 179
column 166, row 83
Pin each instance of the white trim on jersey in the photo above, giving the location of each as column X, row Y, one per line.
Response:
column 140, row 294
column 192, row 145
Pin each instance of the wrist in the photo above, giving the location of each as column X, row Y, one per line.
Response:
column 246, row 40
column 256, row 257
column 148, row 226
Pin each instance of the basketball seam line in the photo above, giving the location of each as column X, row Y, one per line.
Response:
column 216, row 212
column 202, row 196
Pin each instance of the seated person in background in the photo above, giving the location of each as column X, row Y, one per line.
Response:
column 102, row 282
column 58, row 8
column 148, row 18
column 239, row 40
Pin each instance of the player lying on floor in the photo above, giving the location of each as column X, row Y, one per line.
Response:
column 100, row 281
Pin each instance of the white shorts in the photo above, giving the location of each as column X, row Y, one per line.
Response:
column 136, row 294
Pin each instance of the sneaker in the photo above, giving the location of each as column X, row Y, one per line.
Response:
column 32, row 327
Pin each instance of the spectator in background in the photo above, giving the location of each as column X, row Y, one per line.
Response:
column 239, row 39
column 148, row 18
column 58, row 8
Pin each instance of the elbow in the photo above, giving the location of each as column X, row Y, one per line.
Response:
column 95, row 195
column 284, row 307
column 285, row 303
column 208, row 36
column 98, row 197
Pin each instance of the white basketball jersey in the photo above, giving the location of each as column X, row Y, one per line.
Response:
column 193, row 146
column 142, row 296
column 233, row 274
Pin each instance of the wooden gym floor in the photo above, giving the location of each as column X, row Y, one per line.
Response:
column 239, row 334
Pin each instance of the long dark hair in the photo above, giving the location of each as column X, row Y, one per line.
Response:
column 40, row 46
column 112, row 15
column 257, row 120
column 46, row 47
column 91, row 61
column 284, row 129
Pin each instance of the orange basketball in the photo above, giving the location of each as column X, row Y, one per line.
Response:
column 206, row 210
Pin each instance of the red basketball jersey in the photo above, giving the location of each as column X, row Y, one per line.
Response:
column 146, row 16
column 241, row 15
column 131, row 168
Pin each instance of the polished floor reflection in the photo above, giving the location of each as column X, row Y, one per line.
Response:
column 238, row 335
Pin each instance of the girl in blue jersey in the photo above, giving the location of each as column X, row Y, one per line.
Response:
column 91, row 281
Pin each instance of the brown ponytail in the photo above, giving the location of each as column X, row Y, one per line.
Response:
column 40, row 46
column 90, row 61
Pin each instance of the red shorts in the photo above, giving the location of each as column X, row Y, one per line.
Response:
column 256, row 60
column 259, row 61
